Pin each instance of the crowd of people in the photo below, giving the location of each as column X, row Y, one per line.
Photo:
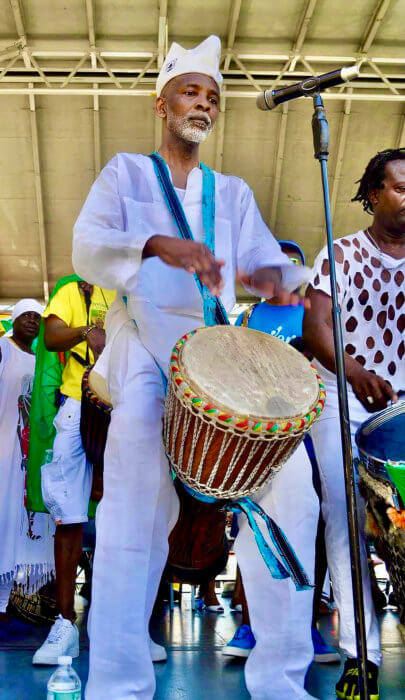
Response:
column 127, row 240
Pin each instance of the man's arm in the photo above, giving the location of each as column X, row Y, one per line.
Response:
column 318, row 338
column 59, row 337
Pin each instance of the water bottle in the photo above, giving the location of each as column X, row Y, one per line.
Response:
column 64, row 684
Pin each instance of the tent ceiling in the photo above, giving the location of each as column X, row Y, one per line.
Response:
column 76, row 86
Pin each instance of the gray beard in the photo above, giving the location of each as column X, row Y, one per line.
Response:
column 181, row 127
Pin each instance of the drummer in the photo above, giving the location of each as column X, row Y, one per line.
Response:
column 370, row 267
column 126, row 239
column 74, row 322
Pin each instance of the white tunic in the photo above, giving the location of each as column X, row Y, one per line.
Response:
column 26, row 538
column 125, row 207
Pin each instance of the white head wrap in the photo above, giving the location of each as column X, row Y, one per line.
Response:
column 25, row 305
column 204, row 59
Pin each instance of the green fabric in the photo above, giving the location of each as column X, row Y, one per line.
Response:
column 48, row 378
column 397, row 474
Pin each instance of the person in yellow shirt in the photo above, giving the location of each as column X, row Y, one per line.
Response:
column 74, row 322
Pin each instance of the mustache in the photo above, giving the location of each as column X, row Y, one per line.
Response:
column 201, row 117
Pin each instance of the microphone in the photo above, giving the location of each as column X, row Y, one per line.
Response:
column 269, row 99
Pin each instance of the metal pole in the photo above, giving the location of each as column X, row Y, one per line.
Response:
column 321, row 146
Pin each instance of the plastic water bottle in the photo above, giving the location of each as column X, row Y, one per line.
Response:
column 64, row 684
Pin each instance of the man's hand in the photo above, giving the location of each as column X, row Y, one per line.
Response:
column 96, row 341
column 373, row 391
column 190, row 256
column 266, row 282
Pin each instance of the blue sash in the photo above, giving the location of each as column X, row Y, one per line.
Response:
column 283, row 562
column 214, row 311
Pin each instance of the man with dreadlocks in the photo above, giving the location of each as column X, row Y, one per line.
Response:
column 370, row 267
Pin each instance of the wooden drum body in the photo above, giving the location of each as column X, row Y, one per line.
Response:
column 94, row 421
column 238, row 404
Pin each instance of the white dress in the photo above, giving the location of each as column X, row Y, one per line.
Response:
column 26, row 552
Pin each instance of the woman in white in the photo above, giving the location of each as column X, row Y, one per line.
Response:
column 26, row 553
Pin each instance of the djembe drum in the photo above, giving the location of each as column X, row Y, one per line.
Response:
column 238, row 404
column 381, row 466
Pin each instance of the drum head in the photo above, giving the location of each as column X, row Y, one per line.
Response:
column 249, row 373
column 382, row 437
column 98, row 385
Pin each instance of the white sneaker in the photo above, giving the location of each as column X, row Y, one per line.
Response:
column 158, row 652
column 62, row 640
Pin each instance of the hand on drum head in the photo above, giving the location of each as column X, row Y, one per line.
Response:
column 96, row 341
column 266, row 282
column 195, row 258
column 373, row 391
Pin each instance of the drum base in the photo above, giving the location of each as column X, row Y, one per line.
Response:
column 198, row 547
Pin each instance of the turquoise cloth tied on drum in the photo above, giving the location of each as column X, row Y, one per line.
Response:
column 280, row 557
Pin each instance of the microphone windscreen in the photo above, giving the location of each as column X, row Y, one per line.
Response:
column 261, row 102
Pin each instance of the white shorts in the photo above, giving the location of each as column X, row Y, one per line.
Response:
column 66, row 481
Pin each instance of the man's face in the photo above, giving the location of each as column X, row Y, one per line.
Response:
column 389, row 202
column 190, row 105
column 26, row 326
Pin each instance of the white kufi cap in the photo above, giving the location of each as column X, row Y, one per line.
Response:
column 25, row 305
column 204, row 58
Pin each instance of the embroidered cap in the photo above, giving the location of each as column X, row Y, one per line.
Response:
column 203, row 58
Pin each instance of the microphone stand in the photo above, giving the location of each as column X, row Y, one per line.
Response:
column 321, row 148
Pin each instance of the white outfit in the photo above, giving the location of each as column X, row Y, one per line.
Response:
column 139, row 508
column 373, row 321
column 66, row 480
column 328, row 450
column 26, row 551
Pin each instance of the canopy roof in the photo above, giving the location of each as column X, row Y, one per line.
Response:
column 76, row 86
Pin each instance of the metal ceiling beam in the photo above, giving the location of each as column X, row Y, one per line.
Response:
column 278, row 166
column 302, row 30
column 374, row 25
column 400, row 142
column 248, row 75
column 220, row 129
column 39, row 195
column 162, row 32
column 71, row 55
column 150, row 92
column 341, row 146
column 91, row 32
column 231, row 33
column 19, row 24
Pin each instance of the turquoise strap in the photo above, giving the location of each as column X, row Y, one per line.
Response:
column 214, row 311
column 282, row 563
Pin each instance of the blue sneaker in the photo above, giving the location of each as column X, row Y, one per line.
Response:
column 323, row 652
column 241, row 643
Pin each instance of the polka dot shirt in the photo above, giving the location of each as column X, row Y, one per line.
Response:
column 371, row 294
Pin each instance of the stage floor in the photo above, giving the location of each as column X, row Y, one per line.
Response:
column 195, row 669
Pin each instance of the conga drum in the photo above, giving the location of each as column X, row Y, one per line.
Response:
column 381, row 466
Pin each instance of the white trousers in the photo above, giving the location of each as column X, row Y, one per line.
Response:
column 328, row 450
column 134, row 519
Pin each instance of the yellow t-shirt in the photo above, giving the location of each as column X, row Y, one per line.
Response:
column 69, row 305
